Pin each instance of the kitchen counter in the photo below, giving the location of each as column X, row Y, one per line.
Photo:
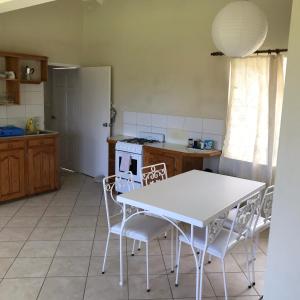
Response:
column 185, row 150
column 43, row 133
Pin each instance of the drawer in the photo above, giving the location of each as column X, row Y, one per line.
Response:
column 12, row 145
column 41, row 142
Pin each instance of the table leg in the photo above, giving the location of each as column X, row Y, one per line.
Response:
column 197, row 264
column 121, row 245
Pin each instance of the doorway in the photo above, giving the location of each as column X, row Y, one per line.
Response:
column 77, row 104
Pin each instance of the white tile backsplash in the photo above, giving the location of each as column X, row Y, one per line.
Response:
column 159, row 120
column 32, row 105
column 193, row 124
column 214, row 126
column 177, row 129
column 15, row 111
column 130, row 130
column 175, row 122
column 129, row 117
column 143, row 119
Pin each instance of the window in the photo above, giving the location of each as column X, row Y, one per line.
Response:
column 254, row 109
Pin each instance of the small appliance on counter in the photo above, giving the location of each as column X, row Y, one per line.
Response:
column 201, row 145
column 7, row 131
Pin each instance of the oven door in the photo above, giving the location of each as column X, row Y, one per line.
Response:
column 135, row 167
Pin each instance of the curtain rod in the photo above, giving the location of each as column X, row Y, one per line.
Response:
column 269, row 51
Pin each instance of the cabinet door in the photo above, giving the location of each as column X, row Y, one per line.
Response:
column 12, row 177
column 155, row 158
column 41, row 169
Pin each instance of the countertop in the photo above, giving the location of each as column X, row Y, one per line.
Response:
column 172, row 147
column 44, row 133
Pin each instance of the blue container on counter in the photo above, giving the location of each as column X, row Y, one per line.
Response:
column 209, row 144
column 7, row 131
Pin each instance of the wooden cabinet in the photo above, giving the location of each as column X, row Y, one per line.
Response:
column 12, row 174
column 28, row 166
column 176, row 161
column 41, row 169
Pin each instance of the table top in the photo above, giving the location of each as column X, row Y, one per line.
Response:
column 195, row 197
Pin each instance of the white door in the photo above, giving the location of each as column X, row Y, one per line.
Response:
column 94, row 120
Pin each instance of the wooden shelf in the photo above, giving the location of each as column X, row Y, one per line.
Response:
column 16, row 63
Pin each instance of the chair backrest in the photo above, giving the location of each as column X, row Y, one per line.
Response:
column 267, row 203
column 243, row 219
column 110, row 186
column 153, row 173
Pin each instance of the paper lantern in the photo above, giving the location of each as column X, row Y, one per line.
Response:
column 239, row 29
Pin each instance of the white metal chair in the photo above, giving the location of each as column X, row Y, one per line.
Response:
column 152, row 174
column 261, row 221
column 217, row 241
column 141, row 227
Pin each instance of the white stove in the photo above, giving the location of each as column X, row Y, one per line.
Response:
column 132, row 149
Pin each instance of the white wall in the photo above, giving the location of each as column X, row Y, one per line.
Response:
column 283, row 269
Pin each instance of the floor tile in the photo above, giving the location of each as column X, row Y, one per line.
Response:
column 259, row 282
column 74, row 248
column 260, row 262
column 58, row 211
column 154, row 248
column 15, row 234
column 159, row 285
column 40, row 200
column 137, row 265
column 39, row 249
column 78, row 234
column 69, row 266
column 20, row 289
column 5, row 263
column 187, row 286
column 10, row 249
column 4, row 221
column 9, row 209
column 216, row 265
column 113, row 248
column 101, row 234
column 29, row 267
column 31, row 211
column 63, row 288
column 57, row 201
column 53, row 221
column 88, row 199
column 112, row 266
column 47, row 234
column 104, row 288
column 18, row 221
column 237, row 284
column 85, row 211
column 82, row 221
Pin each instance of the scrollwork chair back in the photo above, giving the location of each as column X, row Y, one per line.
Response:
column 153, row 173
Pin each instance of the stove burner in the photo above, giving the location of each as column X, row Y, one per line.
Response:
column 139, row 141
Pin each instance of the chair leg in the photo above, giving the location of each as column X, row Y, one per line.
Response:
column 140, row 244
column 224, row 279
column 209, row 258
column 147, row 266
column 172, row 250
column 254, row 251
column 176, row 247
column 105, row 253
column 165, row 235
column 202, row 259
column 248, row 262
column 133, row 248
column 178, row 263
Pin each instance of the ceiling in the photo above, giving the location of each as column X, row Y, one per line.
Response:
column 9, row 5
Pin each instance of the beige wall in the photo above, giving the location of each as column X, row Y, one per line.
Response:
column 159, row 51
column 283, row 260
column 52, row 29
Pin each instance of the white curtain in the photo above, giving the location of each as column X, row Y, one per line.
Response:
column 253, row 117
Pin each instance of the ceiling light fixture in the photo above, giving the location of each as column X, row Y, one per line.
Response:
column 240, row 29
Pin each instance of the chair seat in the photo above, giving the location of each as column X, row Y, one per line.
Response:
column 143, row 228
column 218, row 247
column 260, row 226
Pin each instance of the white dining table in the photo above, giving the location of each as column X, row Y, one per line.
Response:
column 195, row 197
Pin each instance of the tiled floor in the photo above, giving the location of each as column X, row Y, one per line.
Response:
column 52, row 247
